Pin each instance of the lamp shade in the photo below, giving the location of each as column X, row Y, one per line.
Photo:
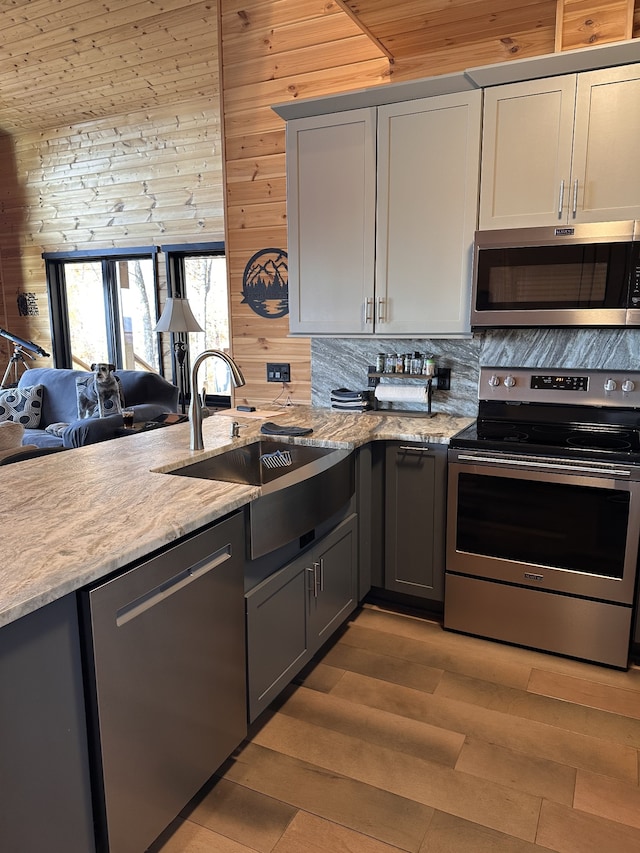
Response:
column 177, row 316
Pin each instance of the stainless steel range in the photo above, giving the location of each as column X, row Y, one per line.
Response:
column 544, row 512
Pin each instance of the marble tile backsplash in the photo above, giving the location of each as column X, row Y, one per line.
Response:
column 343, row 362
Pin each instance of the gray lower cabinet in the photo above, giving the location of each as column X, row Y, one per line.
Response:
column 415, row 513
column 44, row 767
column 295, row 610
column 167, row 687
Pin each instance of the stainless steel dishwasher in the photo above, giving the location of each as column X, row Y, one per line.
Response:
column 167, row 651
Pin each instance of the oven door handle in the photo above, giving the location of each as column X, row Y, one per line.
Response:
column 549, row 466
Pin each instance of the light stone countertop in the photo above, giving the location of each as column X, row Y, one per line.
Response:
column 71, row 518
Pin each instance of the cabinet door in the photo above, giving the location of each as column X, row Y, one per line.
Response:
column 607, row 130
column 277, row 645
column 428, row 175
column 332, row 591
column 526, row 153
column 44, row 770
column 415, row 520
column 331, row 186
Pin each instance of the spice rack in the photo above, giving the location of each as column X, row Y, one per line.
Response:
column 441, row 379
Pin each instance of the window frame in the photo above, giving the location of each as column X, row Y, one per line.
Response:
column 59, row 309
column 176, row 286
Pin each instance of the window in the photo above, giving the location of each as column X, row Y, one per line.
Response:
column 199, row 273
column 104, row 308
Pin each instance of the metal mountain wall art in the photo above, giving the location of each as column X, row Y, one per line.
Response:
column 265, row 283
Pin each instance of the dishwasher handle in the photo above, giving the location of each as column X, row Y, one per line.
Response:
column 169, row 587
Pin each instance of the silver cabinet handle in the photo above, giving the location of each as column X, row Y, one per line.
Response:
column 382, row 309
column 575, row 196
column 561, row 199
column 368, row 310
column 320, row 566
column 314, row 583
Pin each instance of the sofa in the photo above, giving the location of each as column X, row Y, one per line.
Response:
column 54, row 394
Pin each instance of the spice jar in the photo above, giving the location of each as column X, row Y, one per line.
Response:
column 428, row 367
column 416, row 364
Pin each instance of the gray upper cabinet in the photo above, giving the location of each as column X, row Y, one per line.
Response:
column 428, row 174
column 380, row 230
column 331, row 208
column 558, row 150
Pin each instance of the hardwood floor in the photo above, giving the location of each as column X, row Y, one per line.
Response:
column 402, row 736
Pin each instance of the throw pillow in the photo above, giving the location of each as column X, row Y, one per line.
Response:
column 22, row 405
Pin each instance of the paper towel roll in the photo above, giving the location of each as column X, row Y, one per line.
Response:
column 401, row 394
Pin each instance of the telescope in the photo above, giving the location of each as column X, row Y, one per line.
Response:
column 21, row 342
column 21, row 347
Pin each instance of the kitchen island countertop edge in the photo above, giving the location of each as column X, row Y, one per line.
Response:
column 72, row 518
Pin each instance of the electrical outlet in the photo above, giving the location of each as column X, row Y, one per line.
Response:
column 278, row 372
column 443, row 378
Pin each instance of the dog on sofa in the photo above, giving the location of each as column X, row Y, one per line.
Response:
column 100, row 393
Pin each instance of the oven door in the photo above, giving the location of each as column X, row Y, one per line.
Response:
column 539, row 523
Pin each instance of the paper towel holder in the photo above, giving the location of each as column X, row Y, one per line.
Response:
column 441, row 380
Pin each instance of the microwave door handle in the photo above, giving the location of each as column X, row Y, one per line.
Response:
column 561, row 199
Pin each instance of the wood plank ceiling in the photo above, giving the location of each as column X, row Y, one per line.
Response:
column 409, row 29
column 412, row 28
column 64, row 62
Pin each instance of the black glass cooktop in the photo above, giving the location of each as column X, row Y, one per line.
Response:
column 592, row 433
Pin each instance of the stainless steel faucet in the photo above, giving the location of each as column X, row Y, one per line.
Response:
column 195, row 406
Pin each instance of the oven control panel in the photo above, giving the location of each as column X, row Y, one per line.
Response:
column 560, row 383
column 571, row 387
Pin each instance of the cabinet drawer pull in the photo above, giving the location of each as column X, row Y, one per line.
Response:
column 321, row 573
column 313, row 586
column 575, row 196
column 561, row 199
column 382, row 310
column 414, row 449
column 368, row 310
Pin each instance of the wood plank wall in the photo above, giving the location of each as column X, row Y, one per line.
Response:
column 139, row 177
column 272, row 52
column 150, row 176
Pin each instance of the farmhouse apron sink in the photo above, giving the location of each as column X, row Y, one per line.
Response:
column 302, row 486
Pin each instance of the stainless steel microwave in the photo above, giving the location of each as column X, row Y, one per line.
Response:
column 577, row 275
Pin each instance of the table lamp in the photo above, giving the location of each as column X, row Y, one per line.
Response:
column 177, row 316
